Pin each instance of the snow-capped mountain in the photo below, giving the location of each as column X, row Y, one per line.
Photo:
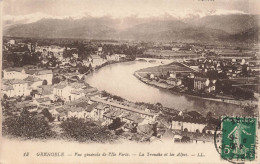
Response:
column 215, row 25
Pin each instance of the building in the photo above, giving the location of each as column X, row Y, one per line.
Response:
column 204, row 84
column 45, row 101
column 24, row 72
column 26, row 105
column 8, row 90
column 116, row 57
column 188, row 123
column 34, row 82
column 69, row 92
column 16, row 72
column 45, row 75
column 147, row 116
column 62, row 91
column 172, row 74
column 91, row 111
column 113, row 57
column 96, row 60
column 78, row 112
column 16, row 87
column 12, row 42
column 45, row 91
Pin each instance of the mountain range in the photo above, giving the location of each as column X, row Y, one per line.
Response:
column 229, row 27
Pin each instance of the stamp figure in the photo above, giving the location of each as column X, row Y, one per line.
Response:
column 239, row 138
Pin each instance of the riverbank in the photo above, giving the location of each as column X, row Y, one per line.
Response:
column 168, row 87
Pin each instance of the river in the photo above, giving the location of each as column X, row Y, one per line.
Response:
column 118, row 79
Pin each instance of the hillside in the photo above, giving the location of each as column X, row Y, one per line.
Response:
column 235, row 28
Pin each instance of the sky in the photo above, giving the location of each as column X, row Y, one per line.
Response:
column 123, row 8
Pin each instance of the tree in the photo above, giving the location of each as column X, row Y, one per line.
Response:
column 60, row 100
column 115, row 124
column 55, row 80
column 185, row 139
column 47, row 114
column 82, row 130
column 44, row 82
column 27, row 125
column 209, row 114
column 5, row 97
column 90, row 67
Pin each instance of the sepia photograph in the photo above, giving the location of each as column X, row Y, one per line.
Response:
column 129, row 81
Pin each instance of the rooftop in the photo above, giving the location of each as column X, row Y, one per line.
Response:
column 121, row 106
column 189, row 119
column 7, row 87
column 14, row 81
column 16, row 69
column 32, row 79
column 91, row 107
column 44, row 99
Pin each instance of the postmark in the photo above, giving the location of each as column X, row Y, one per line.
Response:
column 237, row 141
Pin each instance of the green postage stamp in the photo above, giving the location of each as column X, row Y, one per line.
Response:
column 239, row 138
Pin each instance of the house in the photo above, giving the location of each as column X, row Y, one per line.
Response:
column 172, row 74
column 12, row 42
column 201, row 83
column 75, row 75
column 45, row 75
column 78, row 112
column 61, row 113
column 16, row 87
column 134, row 119
column 69, row 92
column 188, row 123
column 14, row 73
column 27, row 105
column 86, row 63
column 55, row 110
column 111, row 115
column 146, row 130
column 128, row 127
column 45, row 101
column 211, row 87
column 75, row 55
column 199, row 137
column 34, row 82
column 148, row 116
column 174, row 82
column 90, row 91
column 100, row 110
column 45, row 91
column 62, row 91
column 8, row 90
column 114, row 57
column 91, row 111
column 151, row 76
column 76, row 94
column 96, row 60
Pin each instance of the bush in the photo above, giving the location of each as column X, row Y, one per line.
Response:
column 185, row 139
column 28, row 126
column 82, row 130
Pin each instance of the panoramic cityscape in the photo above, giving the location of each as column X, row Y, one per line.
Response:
column 105, row 79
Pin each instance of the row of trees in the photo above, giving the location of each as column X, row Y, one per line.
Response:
column 83, row 130
column 84, row 51
column 20, row 59
column 27, row 125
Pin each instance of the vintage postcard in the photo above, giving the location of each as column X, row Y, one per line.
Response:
column 129, row 81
